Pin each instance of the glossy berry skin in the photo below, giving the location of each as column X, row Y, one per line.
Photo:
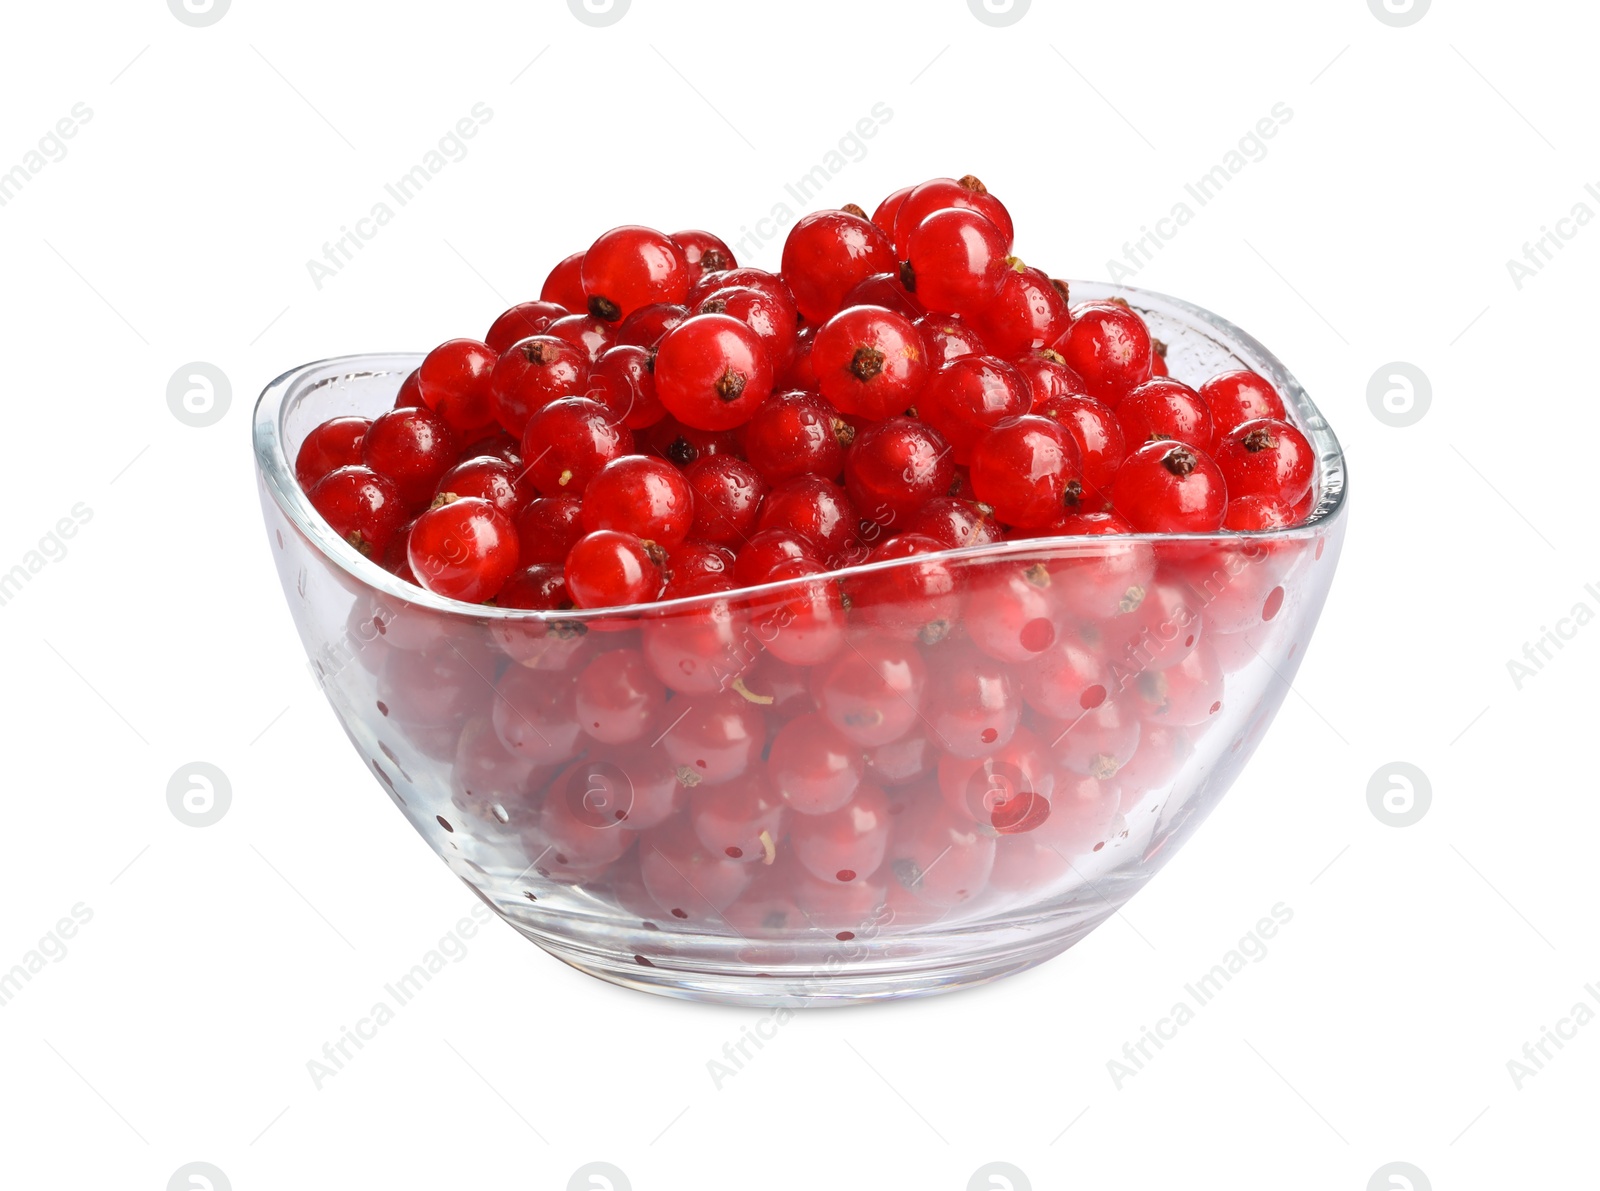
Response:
column 682, row 445
column 883, row 218
column 741, row 819
column 623, row 379
column 413, row 447
column 870, row 362
column 643, row 496
column 1169, row 487
column 771, row 316
column 1108, row 346
column 522, row 320
column 611, row 569
column 362, row 507
column 1094, row 427
column 564, row 285
column 688, row 880
column 804, row 624
column 588, row 334
column 847, row 844
column 547, row 528
column 463, row 550
column 703, row 253
column 496, row 444
column 712, row 371
column 719, row 738
column 769, row 549
column 796, row 434
column 727, row 499
column 334, row 444
column 1029, row 312
column 886, row 290
column 948, row 337
column 1238, row 397
column 531, row 374
column 938, row 855
column 895, row 467
column 958, row 259
column 826, row 254
column 542, row 587
column 493, row 480
column 646, row 325
column 819, row 511
column 938, row 194
column 568, row 441
column 698, row 568
column 1252, row 514
column 969, row 395
column 917, row 601
column 872, row 693
column 813, row 767
column 1048, row 377
column 629, row 267
column 409, row 396
column 954, row 522
column 1165, row 408
column 1266, row 457
column 754, row 278
column 1028, row 470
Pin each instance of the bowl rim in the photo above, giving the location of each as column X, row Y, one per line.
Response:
column 276, row 473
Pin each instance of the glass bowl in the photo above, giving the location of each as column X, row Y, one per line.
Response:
column 760, row 799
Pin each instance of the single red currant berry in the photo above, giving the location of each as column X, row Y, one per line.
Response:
column 847, row 844
column 1238, row 397
column 1170, row 487
column 1252, row 514
column 894, row 468
column 813, row 766
column 938, row 194
column 672, row 440
column 646, row 325
column 754, row 278
column 948, row 337
column 698, row 568
column 643, row 496
column 588, row 334
column 954, row 523
column 768, row 315
column 1028, row 470
column 1266, row 457
column 362, row 506
column 1108, row 346
column 547, row 528
column 463, row 549
column 796, row 434
column 629, row 267
column 532, row 374
column 704, row 253
column 1165, row 408
column 568, row 441
column 769, row 549
column 741, row 820
column 870, row 362
column 617, row 698
column 884, row 216
column 522, row 320
column 826, row 254
column 334, row 444
column 498, row 445
column 712, row 371
column 1094, row 428
column 886, row 290
column 804, row 624
column 564, row 285
column 493, row 480
column 819, row 511
column 873, row 692
column 623, row 380
column 958, row 260
column 799, row 373
column 408, row 396
column 454, row 382
column 1029, row 312
column 611, row 569
column 1048, row 376
column 728, row 494
column 916, row 601
column 413, row 447
column 970, row 394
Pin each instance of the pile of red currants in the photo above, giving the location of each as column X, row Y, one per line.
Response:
column 791, row 748
column 664, row 423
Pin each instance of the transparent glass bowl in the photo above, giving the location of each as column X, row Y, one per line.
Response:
column 1033, row 747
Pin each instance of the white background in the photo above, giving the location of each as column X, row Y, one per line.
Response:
column 178, row 1026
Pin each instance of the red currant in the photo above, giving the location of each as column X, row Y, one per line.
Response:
column 958, row 259
column 819, row 511
column 804, row 623
column 698, row 568
column 870, row 362
column 682, row 445
column 531, row 374
column 846, row 844
column 969, row 395
column 948, row 337
column 769, row 549
column 1238, row 397
column 873, row 691
column 716, row 739
column 704, row 253
column 629, row 267
column 728, row 494
column 611, row 569
column 617, row 698
column 1094, row 428
column 361, row 505
column 795, row 434
column 826, row 254
column 1252, row 514
column 894, row 468
column 954, row 523
column 413, row 447
column 1029, row 312
column 1028, row 470
column 493, row 480
column 521, row 321
column 1266, row 457
column 1163, row 408
column 967, row 193
column 884, row 216
column 770, row 316
column 643, row 496
column 623, row 379
column 564, row 285
column 916, row 601
column 1170, row 487
column 588, row 334
column 547, row 528
column 1108, row 346
column 1048, row 376
column 334, row 444
column 743, row 820
column 940, row 856
column 813, row 766
column 463, row 549
column 646, row 325
column 712, row 371
column 886, row 290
